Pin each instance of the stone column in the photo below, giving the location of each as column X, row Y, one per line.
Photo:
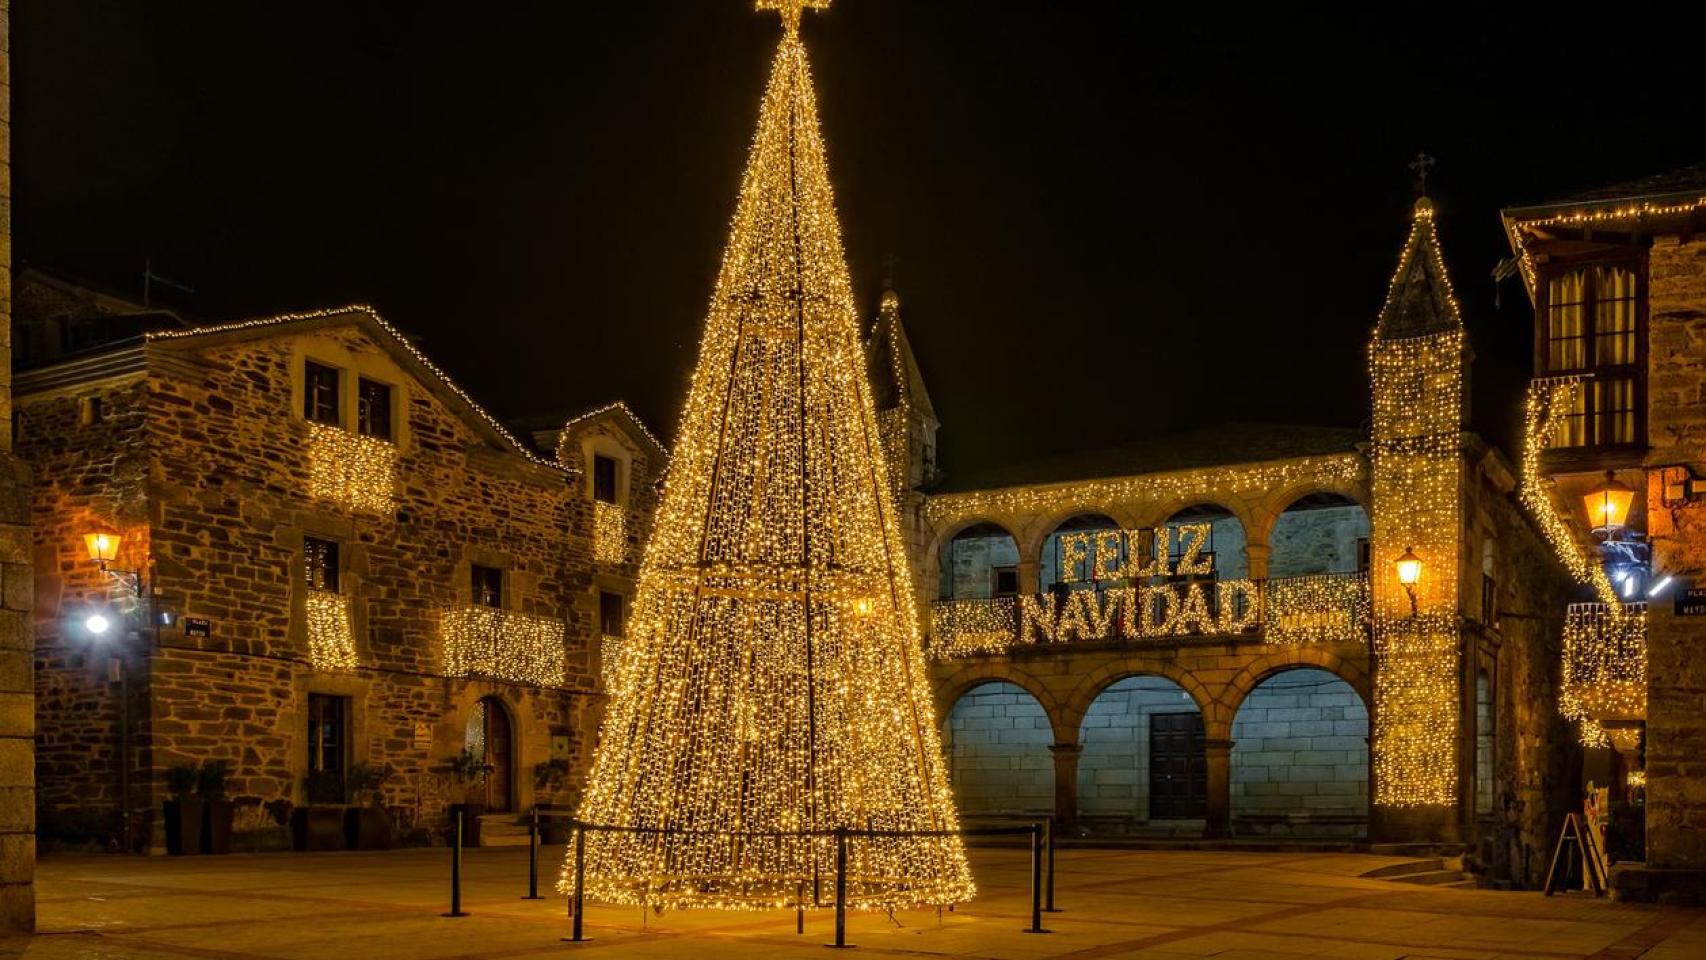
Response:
column 1066, row 786
column 17, row 585
column 1257, row 556
column 1219, row 756
column 1030, row 577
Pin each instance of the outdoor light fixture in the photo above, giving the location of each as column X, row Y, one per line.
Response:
column 97, row 624
column 1659, row 587
column 103, row 547
column 1608, row 504
column 1409, row 574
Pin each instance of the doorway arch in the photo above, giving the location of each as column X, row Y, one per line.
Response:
column 490, row 737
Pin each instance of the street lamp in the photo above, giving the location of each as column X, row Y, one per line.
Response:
column 103, row 549
column 1409, row 574
column 1608, row 504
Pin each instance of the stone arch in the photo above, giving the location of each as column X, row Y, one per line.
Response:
column 934, row 574
column 1238, row 688
column 1232, row 507
column 949, row 691
column 1096, row 681
column 1091, row 520
column 1300, row 756
column 453, row 728
column 1117, row 772
column 1327, row 521
column 998, row 742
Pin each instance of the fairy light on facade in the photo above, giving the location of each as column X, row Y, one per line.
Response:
column 960, row 628
column 1327, row 608
column 1516, row 227
column 331, row 641
column 773, row 678
column 1416, row 362
column 609, row 532
column 482, row 641
column 346, row 468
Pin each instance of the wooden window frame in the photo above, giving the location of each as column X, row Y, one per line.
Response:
column 334, row 552
column 363, row 421
column 1634, row 260
column 615, row 478
column 309, row 408
column 480, row 577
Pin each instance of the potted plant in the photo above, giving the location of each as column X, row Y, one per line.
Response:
column 183, row 810
column 549, row 776
column 217, row 809
column 366, row 825
column 468, row 770
column 319, row 825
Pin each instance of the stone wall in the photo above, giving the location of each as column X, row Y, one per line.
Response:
column 1113, row 768
column 1321, row 540
column 17, row 707
column 1300, row 757
column 1676, row 670
column 997, row 738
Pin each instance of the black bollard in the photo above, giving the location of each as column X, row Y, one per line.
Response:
column 1036, row 880
column 1048, row 904
column 840, row 887
column 577, row 899
column 533, row 857
column 456, row 870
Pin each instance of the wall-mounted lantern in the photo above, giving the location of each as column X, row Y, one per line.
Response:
column 1409, row 574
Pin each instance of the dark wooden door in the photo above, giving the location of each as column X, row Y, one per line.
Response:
column 498, row 756
column 1178, row 767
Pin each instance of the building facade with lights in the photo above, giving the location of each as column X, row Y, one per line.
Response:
column 1616, row 448
column 1253, row 631
column 293, row 545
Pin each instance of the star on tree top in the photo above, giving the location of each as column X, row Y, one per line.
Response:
column 790, row 11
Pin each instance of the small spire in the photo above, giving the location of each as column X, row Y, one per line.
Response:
column 790, row 11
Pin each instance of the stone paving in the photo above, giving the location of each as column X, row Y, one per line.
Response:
column 1116, row 903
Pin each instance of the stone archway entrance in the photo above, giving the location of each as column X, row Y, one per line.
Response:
column 490, row 735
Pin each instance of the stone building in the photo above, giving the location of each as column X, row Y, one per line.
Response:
column 1206, row 635
column 1617, row 418
column 328, row 555
column 17, row 697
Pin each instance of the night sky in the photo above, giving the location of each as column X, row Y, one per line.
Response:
column 1110, row 223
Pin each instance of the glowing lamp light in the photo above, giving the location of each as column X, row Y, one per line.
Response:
column 97, row 624
column 1409, row 574
column 103, row 547
column 863, row 607
column 1608, row 503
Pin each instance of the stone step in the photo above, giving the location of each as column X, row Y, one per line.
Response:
column 1432, row 878
column 1416, row 849
column 1395, row 870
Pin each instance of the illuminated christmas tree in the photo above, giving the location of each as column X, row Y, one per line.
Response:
column 773, row 680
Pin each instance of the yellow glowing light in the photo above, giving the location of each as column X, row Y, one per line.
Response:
column 1636, row 779
column 347, row 468
column 102, row 547
column 752, row 702
column 482, row 641
column 609, row 532
column 1608, row 503
column 331, row 642
column 1326, row 608
column 1409, row 568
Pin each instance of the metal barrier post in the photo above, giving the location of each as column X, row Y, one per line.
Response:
column 533, row 856
column 840, row 887
column 1048, row 896
column 456, row 870
column 800, row 907
column 1036, row 880
column 577, row 900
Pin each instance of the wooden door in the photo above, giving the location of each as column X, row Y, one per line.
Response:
column 1178, row 767
column 498, row 756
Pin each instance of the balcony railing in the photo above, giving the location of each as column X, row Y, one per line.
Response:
column 1605, row 662
column 331, row 640
column 1325, row 608
column 491, row 643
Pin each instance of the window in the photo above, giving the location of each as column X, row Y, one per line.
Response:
column 1005, row 581
column 488, row 586
column 610, row 622
column 373, row 409
column 1365, row 554
column 603, row 478
column 320, row 563
column 320, row 393
column 328, row 747
column 1592, row 328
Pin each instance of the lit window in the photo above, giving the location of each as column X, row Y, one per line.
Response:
column 373, row 409
column 320, row 393
column 320, row 563
column 1592, row 329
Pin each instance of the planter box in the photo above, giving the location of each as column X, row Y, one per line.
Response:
column 216, row 825
column 183, row 826
column 367, row 828
column 318, row 828
column 471, row 813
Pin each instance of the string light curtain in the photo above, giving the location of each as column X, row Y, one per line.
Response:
column 1416, row 363
column 773, row 679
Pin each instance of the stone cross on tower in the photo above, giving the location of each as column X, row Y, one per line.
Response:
column 790, row 11
column 1422, row 164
